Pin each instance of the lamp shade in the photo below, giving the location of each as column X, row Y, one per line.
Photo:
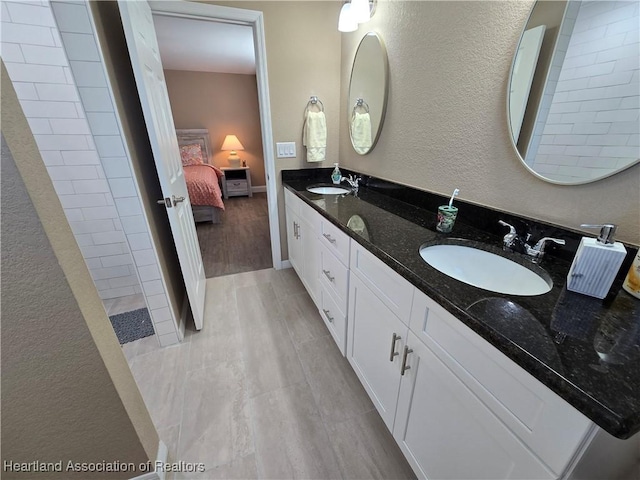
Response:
column 360, row 10
column 231, row 142
column 346, row 22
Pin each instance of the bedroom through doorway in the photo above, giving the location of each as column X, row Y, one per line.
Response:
column 210, row 72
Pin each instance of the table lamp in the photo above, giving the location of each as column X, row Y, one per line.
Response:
column 232, row 143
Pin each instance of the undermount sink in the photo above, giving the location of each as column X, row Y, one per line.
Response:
column 486, row 270
column 328, row 189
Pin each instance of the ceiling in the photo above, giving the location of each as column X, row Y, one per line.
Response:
column 205, row 46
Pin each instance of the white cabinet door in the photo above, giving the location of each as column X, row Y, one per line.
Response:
column 311, row 258
column 446, row 432
column 376, row 340
column 294, row 244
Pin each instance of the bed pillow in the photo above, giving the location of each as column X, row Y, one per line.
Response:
column 191, row 154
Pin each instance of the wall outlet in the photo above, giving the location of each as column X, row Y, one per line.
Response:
column 285, row 149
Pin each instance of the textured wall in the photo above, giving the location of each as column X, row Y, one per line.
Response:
column 223, row 103
column 67, row 392
column 446, row 123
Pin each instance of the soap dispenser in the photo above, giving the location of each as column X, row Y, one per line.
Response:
column 596, row 263
column 336, row 175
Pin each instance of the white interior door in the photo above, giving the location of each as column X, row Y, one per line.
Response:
column 147, row 68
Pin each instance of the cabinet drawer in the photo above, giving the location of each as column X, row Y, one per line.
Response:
column 292, row 202
column 237, row 185
column 548, row 425
column 335, row 240
column 334, row 276
column 334, row 318
column 394, row 291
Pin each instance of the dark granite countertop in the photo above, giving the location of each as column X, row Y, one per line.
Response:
column 584, row 349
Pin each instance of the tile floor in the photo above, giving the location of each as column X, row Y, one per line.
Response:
column 262, row 391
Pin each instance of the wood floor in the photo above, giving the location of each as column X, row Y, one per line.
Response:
column 241, row 243
column 262, row 390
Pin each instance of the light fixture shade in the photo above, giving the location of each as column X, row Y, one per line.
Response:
column 360, row 10
column 231, row 142
column 346, row 22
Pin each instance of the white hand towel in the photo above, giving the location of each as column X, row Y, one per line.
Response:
column 361, row 132
column 314, row 136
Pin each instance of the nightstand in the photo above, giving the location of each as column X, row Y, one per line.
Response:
column 236, row 182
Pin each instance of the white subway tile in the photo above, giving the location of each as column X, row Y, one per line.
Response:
column 51, row 158
column 144, row 257
column 562, row 160
column 618, row 78
column 25, row 91
column 4, row 12
column 61, row 142
column 134, row 224
column 617, row 53
column 607, row 139
column 108, row 198
column 621, row 152
column 63, row 187
column 80, row 157
column 108, row 237
column 597, row 162
column 588, row 36
column 103, row 250
column 80, row 201
column 129, row 281
column 617, row 116
column 116, row 167
column 80, row 110
column 139, row 241
column 590, row 128
column 109, row 146
column 117, row 292
column 634, row 140
column 27, row 34
column 570, row 140
column 629, row 90
column 93, row 262
column 37, row 54
column 73, row 214
column 128, row 206
column 625, row 127
column 118, row 224
column 117, row 260
column 40, row 109
column 588, row 94
column 623, row 26
column 23, row 72
column 39, row 126
column 598, row 105
column 56, row 37
column 149, row 272
column 583, row 151
column 92, row 226
column 580, row 117
column 72, row 18
column 153, row 287
column 571, row 85
column 630, row 102
column 168, row 340
column 110, row 272
column 565, row 107
column 157, row 301
column 91, row 186
column 80, row 46
column 57, row 92
column 97, row 213
column 628, row 63
column 122, row 187
column 84, row 240
column 88, row 74
column 80, row 172
column 68, row 75
column 11, row 52
column 580, row 60
column 163, row 327
column 103, row 123
column 96, row 99
column 68, row 126
column 30, row 14
column 101, row 285
column 139, row 289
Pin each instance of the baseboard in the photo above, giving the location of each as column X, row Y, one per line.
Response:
column 285, row 264
column 259, row 189
column 162, row 457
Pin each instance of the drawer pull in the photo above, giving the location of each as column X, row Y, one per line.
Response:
column 327, row 273
column 327, row 312
column 394, row 339
column 405, row 367
column 329, row 237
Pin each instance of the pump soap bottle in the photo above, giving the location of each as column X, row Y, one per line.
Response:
column 336, row 175
column 596, row 263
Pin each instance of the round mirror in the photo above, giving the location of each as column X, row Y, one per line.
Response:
column 368, row 91
column 573, row 104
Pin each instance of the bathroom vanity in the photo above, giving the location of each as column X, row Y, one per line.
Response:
column 472, row 384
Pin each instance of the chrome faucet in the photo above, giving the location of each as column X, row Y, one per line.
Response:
column 354, row 182
column 512, row 241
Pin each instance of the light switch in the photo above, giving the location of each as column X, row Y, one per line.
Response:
column 285, row 149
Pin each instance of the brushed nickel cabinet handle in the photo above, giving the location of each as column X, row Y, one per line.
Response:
column 394, row 339
column 405, row 367
column 327, row 273
column 329, row 237
column 327, row 312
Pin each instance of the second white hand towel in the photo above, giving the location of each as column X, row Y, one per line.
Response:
column 314, row 136
column 361, row 132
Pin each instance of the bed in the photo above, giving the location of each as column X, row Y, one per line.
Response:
column 203, row 179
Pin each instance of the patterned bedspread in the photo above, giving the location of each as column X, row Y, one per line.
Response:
column 203, row 185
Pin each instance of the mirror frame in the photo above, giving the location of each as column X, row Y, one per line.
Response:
column 510, row 127
column 383, row 113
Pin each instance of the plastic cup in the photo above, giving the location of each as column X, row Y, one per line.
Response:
column 446, row 218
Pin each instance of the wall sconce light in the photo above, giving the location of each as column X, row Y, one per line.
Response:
column 232, row 143
column 354, row 12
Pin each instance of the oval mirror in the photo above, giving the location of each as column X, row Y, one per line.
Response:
column 573, row 99
column 368, row 91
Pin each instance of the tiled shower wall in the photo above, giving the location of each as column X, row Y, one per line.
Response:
column 593, row 123
column 53, row 61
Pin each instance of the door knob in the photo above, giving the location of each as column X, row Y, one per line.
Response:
column 165, row 201
column 177, row 200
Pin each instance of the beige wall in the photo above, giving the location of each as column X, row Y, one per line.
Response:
column 303, row 59
column 67, row 392
column 446, row 123
column 223, row 103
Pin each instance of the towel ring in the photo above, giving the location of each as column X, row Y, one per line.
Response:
column 360, row 103
column 314, row 102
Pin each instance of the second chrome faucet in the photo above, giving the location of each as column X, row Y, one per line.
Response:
column 512, row 241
